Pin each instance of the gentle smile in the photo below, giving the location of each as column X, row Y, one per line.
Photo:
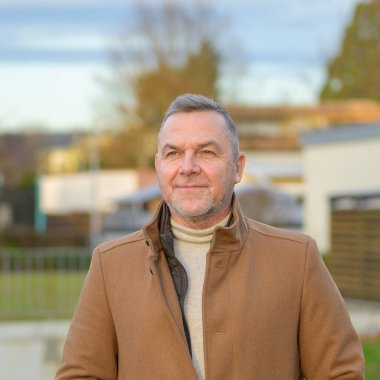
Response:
column 190, row 186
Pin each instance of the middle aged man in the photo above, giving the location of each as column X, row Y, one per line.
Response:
column 203, row 292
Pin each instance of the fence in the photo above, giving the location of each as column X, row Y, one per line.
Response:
column 41, row 283
column 355, row 245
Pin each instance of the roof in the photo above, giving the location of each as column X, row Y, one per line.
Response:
column 141, row 196
column 358, row 200
column 342, row 133
column 337, row 111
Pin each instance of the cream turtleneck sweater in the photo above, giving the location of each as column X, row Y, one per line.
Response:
column 191, row 247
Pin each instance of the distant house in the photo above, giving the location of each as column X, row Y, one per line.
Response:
column 270, row 136
column 278, row 127
column 338, row 161
column 20, row 152
column 75, row 203
column 19, row 158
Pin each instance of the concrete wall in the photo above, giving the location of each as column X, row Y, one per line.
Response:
column 31, row 350
column 333, row 168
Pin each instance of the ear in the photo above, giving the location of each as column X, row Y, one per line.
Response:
column 240, row 164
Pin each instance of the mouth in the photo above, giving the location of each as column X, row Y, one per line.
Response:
column 190, row 187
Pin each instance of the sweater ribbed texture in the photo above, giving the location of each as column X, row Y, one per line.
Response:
column 191, row 247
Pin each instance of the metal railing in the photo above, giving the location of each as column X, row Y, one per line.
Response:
column 41, row 283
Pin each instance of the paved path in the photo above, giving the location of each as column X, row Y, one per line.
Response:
column 365, row 316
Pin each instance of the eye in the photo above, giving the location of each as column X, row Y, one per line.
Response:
column 207, row 153
column 171, row 153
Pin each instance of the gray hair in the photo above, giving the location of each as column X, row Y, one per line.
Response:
column 193, row 103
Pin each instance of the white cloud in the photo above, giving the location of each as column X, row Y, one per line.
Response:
column 33, row 36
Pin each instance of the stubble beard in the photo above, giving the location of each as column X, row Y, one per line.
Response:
column 204, row 212
column 208, row 209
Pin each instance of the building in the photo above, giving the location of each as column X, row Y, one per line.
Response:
column 73, row 204
column 337, row 161
column 270, row 137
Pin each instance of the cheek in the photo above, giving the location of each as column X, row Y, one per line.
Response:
column 219, row 175
column 165, row 173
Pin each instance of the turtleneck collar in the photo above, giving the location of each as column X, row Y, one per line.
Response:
column 229, row 238
column 191, row 235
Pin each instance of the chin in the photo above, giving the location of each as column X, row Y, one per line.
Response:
column 191, row 211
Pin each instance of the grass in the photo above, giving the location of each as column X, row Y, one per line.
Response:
column 39, row 295
column 372, row 357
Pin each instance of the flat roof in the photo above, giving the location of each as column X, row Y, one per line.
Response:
column 341, row 133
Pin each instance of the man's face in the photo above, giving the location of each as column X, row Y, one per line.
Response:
column 196, row 168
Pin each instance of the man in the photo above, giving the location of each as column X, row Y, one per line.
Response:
column 203, row 292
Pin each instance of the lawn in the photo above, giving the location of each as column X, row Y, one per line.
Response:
column 39, row 295
column 372, row 356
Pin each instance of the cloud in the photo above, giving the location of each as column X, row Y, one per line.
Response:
column 74, row 33
column 266, row 28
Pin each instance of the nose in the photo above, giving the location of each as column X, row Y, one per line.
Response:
column 189, row 164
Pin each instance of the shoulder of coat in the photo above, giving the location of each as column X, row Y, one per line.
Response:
column 275, row 232
column 122, row 241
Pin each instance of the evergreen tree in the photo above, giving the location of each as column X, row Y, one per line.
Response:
column 355, row 71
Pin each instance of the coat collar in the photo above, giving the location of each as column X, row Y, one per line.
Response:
column 229, row 238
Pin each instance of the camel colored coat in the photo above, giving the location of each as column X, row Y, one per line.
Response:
column 270, row 311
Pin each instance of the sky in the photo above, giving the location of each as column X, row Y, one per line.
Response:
column 53, row 52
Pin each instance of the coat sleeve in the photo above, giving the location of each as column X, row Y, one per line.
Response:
column 329, row 345
column 90, row 350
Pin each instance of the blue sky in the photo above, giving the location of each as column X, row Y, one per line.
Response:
column 51, row 53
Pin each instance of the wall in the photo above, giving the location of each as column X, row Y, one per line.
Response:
column 80, row 192
column 31, row 350
column 333, row 168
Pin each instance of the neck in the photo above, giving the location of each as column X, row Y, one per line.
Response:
column 190, row 235
column 199, row 223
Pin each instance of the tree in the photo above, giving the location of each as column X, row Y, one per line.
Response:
column 155, row 89
column 354, row 72
column 171, row 49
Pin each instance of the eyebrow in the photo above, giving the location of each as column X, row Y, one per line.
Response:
column 199, row 146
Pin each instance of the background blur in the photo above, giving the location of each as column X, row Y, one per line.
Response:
column 83, row 88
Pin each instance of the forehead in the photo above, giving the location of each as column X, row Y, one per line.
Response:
column 197, row 127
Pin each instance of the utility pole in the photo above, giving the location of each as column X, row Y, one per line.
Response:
column 95, row 220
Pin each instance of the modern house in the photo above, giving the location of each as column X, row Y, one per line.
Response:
column 337, row 161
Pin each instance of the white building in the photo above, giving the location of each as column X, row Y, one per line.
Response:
column 337, row 161
column 84, row 191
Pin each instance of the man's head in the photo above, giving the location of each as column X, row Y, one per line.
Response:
column 197, row 103
column 198, row 161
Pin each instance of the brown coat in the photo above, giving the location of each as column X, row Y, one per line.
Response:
column 270, row 311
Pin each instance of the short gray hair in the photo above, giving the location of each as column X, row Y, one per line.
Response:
column 193, row 103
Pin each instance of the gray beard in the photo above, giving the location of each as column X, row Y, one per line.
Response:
column 210, row 210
